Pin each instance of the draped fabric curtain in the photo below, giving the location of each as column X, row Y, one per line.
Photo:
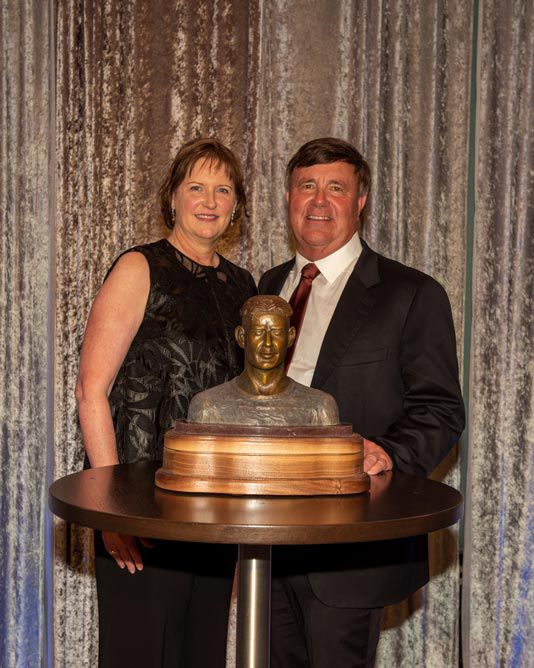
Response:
column 498, row 599
column 26, row 135
column 130, row 81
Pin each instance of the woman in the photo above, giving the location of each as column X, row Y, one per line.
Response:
column 160, row 330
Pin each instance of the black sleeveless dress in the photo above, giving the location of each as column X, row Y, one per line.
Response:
column 184, row 345
column 174, row 612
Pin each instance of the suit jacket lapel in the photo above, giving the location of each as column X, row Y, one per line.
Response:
column 273, row 281
column 355, row 303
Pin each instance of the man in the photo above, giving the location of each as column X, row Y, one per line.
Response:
column 379, row 337
column 263, row 394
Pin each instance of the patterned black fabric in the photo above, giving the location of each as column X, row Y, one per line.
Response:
column 185, row 344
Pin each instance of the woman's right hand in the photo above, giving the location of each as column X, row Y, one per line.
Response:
column 124, row 549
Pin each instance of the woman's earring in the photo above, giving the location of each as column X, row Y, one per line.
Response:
column 232, row 217
column 173, row 216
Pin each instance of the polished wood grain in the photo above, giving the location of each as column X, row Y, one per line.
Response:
column 234, row 459
column 261, row 445
column 280, row 431
column 124, row 498
column 265, row 486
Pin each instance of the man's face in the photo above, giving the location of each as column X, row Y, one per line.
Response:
column 324, row 207
column 265, row 338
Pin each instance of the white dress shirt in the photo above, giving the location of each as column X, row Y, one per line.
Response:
column 325, row 293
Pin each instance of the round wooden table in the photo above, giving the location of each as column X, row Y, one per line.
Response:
column 124, row 499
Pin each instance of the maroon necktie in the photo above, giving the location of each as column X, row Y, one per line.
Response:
column 298, row 302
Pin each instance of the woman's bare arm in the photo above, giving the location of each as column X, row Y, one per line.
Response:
column 115, row 317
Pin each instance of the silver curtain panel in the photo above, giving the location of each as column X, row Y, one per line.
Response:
column 25, row 138
column 133, row 79
column 498, row 597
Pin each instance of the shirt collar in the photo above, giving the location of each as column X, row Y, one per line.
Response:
column 333, row 265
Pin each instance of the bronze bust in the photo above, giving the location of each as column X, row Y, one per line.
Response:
column 263, row 433
column 263, row 394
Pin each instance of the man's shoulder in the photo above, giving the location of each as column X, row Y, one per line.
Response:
column 395, row 273
column 274, row 275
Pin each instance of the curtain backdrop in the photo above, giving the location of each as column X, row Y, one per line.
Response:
column 131, row 80
column 498, row 601
column 25, row 137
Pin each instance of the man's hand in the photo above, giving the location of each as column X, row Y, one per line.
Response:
column 375, row 458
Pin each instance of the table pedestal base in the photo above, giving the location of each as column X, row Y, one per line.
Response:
column 253, row 606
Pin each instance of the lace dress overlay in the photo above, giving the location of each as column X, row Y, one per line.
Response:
column 185, row 345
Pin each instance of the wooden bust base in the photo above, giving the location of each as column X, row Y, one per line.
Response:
column 242, row 460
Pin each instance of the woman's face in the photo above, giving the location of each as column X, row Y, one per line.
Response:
column 204, row 203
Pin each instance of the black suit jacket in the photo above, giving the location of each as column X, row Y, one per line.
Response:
column 389, row 360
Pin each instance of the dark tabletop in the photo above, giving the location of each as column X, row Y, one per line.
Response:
column 124, row 499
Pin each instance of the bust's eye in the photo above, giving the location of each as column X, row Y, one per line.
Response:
column 257, row 332
column 277, row 332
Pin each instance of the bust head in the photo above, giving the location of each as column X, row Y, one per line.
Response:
column 263, row 394
column 265, row 333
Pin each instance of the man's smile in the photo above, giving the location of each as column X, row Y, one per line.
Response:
column 319, row 218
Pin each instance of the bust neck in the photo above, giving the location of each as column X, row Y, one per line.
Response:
column 263, row 382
